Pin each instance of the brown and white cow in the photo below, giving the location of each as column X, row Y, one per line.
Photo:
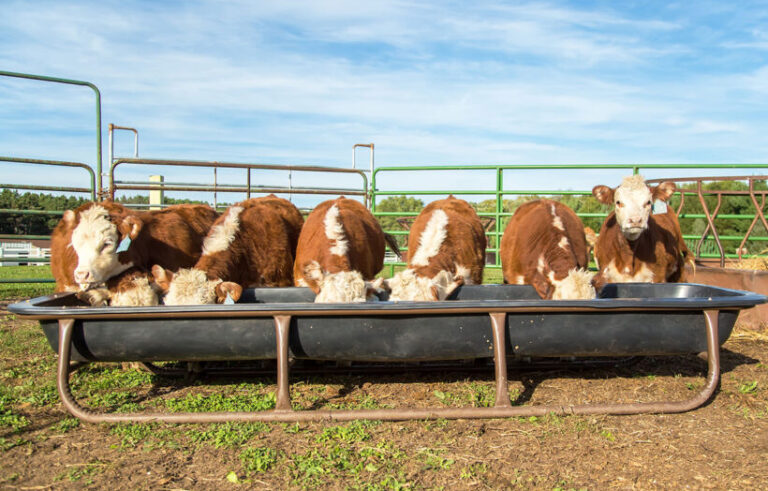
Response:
column 341, row 248
column 131, row 288
column 640, row 241
column 544, row 245
column 108, row 238
column 252, row 244
column 446, row 248
column 63, row 257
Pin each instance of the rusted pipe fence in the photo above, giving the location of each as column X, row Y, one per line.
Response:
column 247, row 189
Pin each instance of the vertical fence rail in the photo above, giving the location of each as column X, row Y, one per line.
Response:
column 96, row 92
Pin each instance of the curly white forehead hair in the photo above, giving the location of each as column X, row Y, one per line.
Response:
column 633, row 182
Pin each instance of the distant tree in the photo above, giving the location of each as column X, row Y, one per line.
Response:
column 410, row 207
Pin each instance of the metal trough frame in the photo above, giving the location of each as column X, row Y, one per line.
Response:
column 284, row 413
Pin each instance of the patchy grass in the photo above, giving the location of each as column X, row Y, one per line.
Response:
column 41, row 447
column 25, row 290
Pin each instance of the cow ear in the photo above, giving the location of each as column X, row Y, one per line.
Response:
column 598, row 282
column 163, row 278
column 442, row 286
column 664, row 190
column 130, row 226
column 228, row 288
column 604, row 194
column 457, row 282
column 380, row 284
column 69, row 217
column 314, row 272
column 542, row 286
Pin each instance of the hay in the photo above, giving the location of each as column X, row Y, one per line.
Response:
column 757, row 262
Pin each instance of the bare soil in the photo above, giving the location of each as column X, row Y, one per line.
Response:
column 722, row 445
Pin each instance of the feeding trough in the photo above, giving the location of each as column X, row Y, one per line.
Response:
column 487, row 321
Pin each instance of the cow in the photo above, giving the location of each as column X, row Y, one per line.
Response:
column 107, row 238
column 544, row 245
column 640, row 241
column 63, row 257
column 131, row 288
column 252, row 244
column 446, row 249
column 340, row 250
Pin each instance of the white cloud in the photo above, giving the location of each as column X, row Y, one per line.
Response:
column 284, row 82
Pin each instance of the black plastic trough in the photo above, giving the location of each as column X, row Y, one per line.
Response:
column 277, row 323
column 628, row 319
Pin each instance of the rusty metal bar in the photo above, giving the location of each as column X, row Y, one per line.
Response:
column 751, row 227
column 226, row 188
column 283, row 399
column 66, row 328
column 710, row 224
column 58, row 163
column 758, row 209
column 113, row 185
column 354, row 154
column 499, row 326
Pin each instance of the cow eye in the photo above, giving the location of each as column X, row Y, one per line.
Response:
column 106, row 245
column 648, row 203
column 618, row 203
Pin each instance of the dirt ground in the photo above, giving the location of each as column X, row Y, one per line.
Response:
column 722, row 445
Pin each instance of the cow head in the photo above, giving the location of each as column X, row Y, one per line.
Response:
column 633, row 201
column 406, row 285
column 99, row 233
column 133, row 290
column 192, row 287
column 576, row 286
column 341, row 287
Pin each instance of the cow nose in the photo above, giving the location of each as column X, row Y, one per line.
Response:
column 82, row 276
column 635, row 222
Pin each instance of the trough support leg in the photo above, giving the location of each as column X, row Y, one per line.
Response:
column 283, row 412
column 498, row 323
column 282, row 326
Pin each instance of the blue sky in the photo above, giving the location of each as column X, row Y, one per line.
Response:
column 482, row 82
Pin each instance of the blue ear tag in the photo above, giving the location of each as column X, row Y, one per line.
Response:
column 659, row 207
column 228, row 300
column 124, row 244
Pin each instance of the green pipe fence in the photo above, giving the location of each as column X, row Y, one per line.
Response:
column 497, row 191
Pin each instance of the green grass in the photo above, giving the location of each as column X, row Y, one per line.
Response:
column 25, row 290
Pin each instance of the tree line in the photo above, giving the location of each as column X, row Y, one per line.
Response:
column 43, row 224
column 25, row 224
column 690, row 224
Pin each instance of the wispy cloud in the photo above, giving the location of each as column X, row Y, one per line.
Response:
column 486, row 82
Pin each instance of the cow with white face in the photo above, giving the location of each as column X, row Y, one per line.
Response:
column 108, row 238
column 640, row 241
column 633, row 202
column 96, row 239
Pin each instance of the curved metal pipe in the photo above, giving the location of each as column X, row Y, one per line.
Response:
column 280, row 414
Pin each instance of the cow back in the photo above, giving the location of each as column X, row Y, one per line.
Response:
column 362, row 233
column 261, row 250
column 463, row 244
column 542, row 236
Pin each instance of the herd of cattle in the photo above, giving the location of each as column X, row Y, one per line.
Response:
column 190, row 254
